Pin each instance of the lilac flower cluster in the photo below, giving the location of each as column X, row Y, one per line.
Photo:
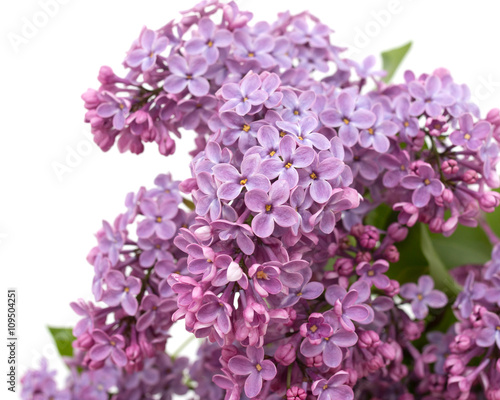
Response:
column 271, row 258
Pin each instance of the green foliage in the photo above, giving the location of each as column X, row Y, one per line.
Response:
column 392, row 58
column 64, row 339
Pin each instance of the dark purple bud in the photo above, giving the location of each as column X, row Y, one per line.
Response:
column 489, row 201
column 449, row 167
column 375, row 364
column 391, row 254
column 461, row 343
column 357, row 230
column 368, row 339
column 436, row 225
column 470, row 176
column 454, row 364
column 387, row 351
column 397, row 232
column 314, row 361
column 344, row 266
column 369, row 237
column 398, row 372
column 413, row 330
column 285, row 354
column 363, row 256
column 392, row 289
column 84, row 342
column 296, row 393
column 228, row 352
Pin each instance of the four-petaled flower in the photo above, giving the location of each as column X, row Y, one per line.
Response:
column 122, row 290
column 348, row 119
column 188, row 74
column 243, row 96
column 423, row 296
column 333, row 388
column 346, row 307
column 106, row 346
column 255, row 367
column 234, row 181
column 265, row 279
column 291, row 158
column 429, row 97
column 159, row 215
column 270, row 209
column 377, row 134
column 151, row 46
column 424, row 185
column 470, row 135
column 490, row 334
column 210, row 40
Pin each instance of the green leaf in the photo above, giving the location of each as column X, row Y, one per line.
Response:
column 412, row 262
column 392, row 58
column 465, row 246
column 188, row 203
column 381, row 216
column 64, row 339
column 437, row 268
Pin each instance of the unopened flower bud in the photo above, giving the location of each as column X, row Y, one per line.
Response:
column 285, row 354
column 368, row 339
column 397, row 232
column 391, row 254
column 363, row 256
column 369, row 237
column 449, row 167
column 470, row 176
column 296, row 393
column 344, row 266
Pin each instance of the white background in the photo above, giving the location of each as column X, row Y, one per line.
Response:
column 47, row 224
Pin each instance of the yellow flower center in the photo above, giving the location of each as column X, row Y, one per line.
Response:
column 467, row 136
column 346, row 121
column 282, row 134
column 301, row 138
column 261, row 275
column 189, row 77
column 210, row 43
column 299, row 294
column 325, row 387
column 420, row 297
column 268, row 207
column 251, row 54
column 427, row 182
column 126, row 290
column 112, row 343
column 272, row 153
column 313, row 175
column 258, row 367
column 151, row 55
column 121, row 106
column 288, row 165
column 246, row 128
column 158, row 219
column 371, row 273
column 406, row 124
column 314, row 328
column 370, row 131
column 245, row 99
column 402, row 168
column 296, row 112
column 243, row 182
